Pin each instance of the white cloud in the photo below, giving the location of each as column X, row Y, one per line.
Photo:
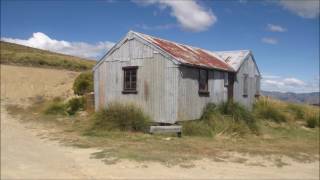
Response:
column 273, row 82
column 190, row 15
column 269, row 40
column 288, row 84
column 276, row 28
column 293, row 82
column 157, row 27
column 81, row 49
column 271, row 76
column 303, row 8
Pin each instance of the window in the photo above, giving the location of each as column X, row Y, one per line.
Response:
column 257, row 86
column 130, row 79
column 245, row 85
column 203, row 81
column 226, row 79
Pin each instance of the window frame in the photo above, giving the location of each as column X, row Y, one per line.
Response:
column 245, row 85
column 257, row 83
column 205, row 91
column 130, row 90
column 226, row 79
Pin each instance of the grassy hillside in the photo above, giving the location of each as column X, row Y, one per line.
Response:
column 26, row 56
column 308, row 98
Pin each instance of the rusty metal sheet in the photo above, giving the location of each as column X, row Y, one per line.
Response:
column 189, row 55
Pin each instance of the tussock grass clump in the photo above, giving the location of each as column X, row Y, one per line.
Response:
column 123, row 117
column 279, row 111
column 297, row 110
column 58, row 107
column 208, row 111
column 269, row 110
column 197, row 128
column 313, row 121
column 226, row 118
column 239, row 114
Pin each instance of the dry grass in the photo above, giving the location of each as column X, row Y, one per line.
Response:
column 302, row 144
column 19, row 84
column 279, row 111
column 227, row 118
column 15, row 54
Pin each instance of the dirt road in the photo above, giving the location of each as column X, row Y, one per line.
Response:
column 24, row 155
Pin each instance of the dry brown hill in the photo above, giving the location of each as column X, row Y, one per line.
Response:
column 15, row 54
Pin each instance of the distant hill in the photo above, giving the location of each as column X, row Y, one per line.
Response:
column 26, row 56
column 308, row 98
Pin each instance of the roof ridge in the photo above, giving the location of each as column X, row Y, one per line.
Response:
column 189, row 46
column 168, row 40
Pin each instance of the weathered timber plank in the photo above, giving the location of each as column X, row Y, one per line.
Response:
column 165, row 129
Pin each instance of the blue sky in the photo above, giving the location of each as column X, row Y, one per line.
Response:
column 283, row 35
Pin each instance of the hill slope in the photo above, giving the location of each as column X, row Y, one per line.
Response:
column 309, row 98
column 26, row 56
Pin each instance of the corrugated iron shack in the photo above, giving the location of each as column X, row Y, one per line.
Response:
column 171, row 81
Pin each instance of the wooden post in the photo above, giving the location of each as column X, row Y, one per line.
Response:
column 89, row 102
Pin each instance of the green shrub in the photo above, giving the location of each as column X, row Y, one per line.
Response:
column 123, row 117
column 83, row 83
column 56, row 107
column 313, row 121
column 74, row 105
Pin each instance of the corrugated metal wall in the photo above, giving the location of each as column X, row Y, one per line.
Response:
column 96, row 88
column 248, row 67
column 166, row 92
column 190, row 103
column 157, row 81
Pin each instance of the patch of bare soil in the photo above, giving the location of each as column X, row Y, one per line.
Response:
column 26, row 155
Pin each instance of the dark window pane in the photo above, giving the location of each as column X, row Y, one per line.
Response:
column 226, row 79
column 127, row 78
column 202, row 86
column 130, row 79
column 133, row 78
column 245, row 84
column 203, row 80
column 133, row 85
column 127, row 85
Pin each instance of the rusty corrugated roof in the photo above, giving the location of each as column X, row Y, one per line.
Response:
column 189, row 55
